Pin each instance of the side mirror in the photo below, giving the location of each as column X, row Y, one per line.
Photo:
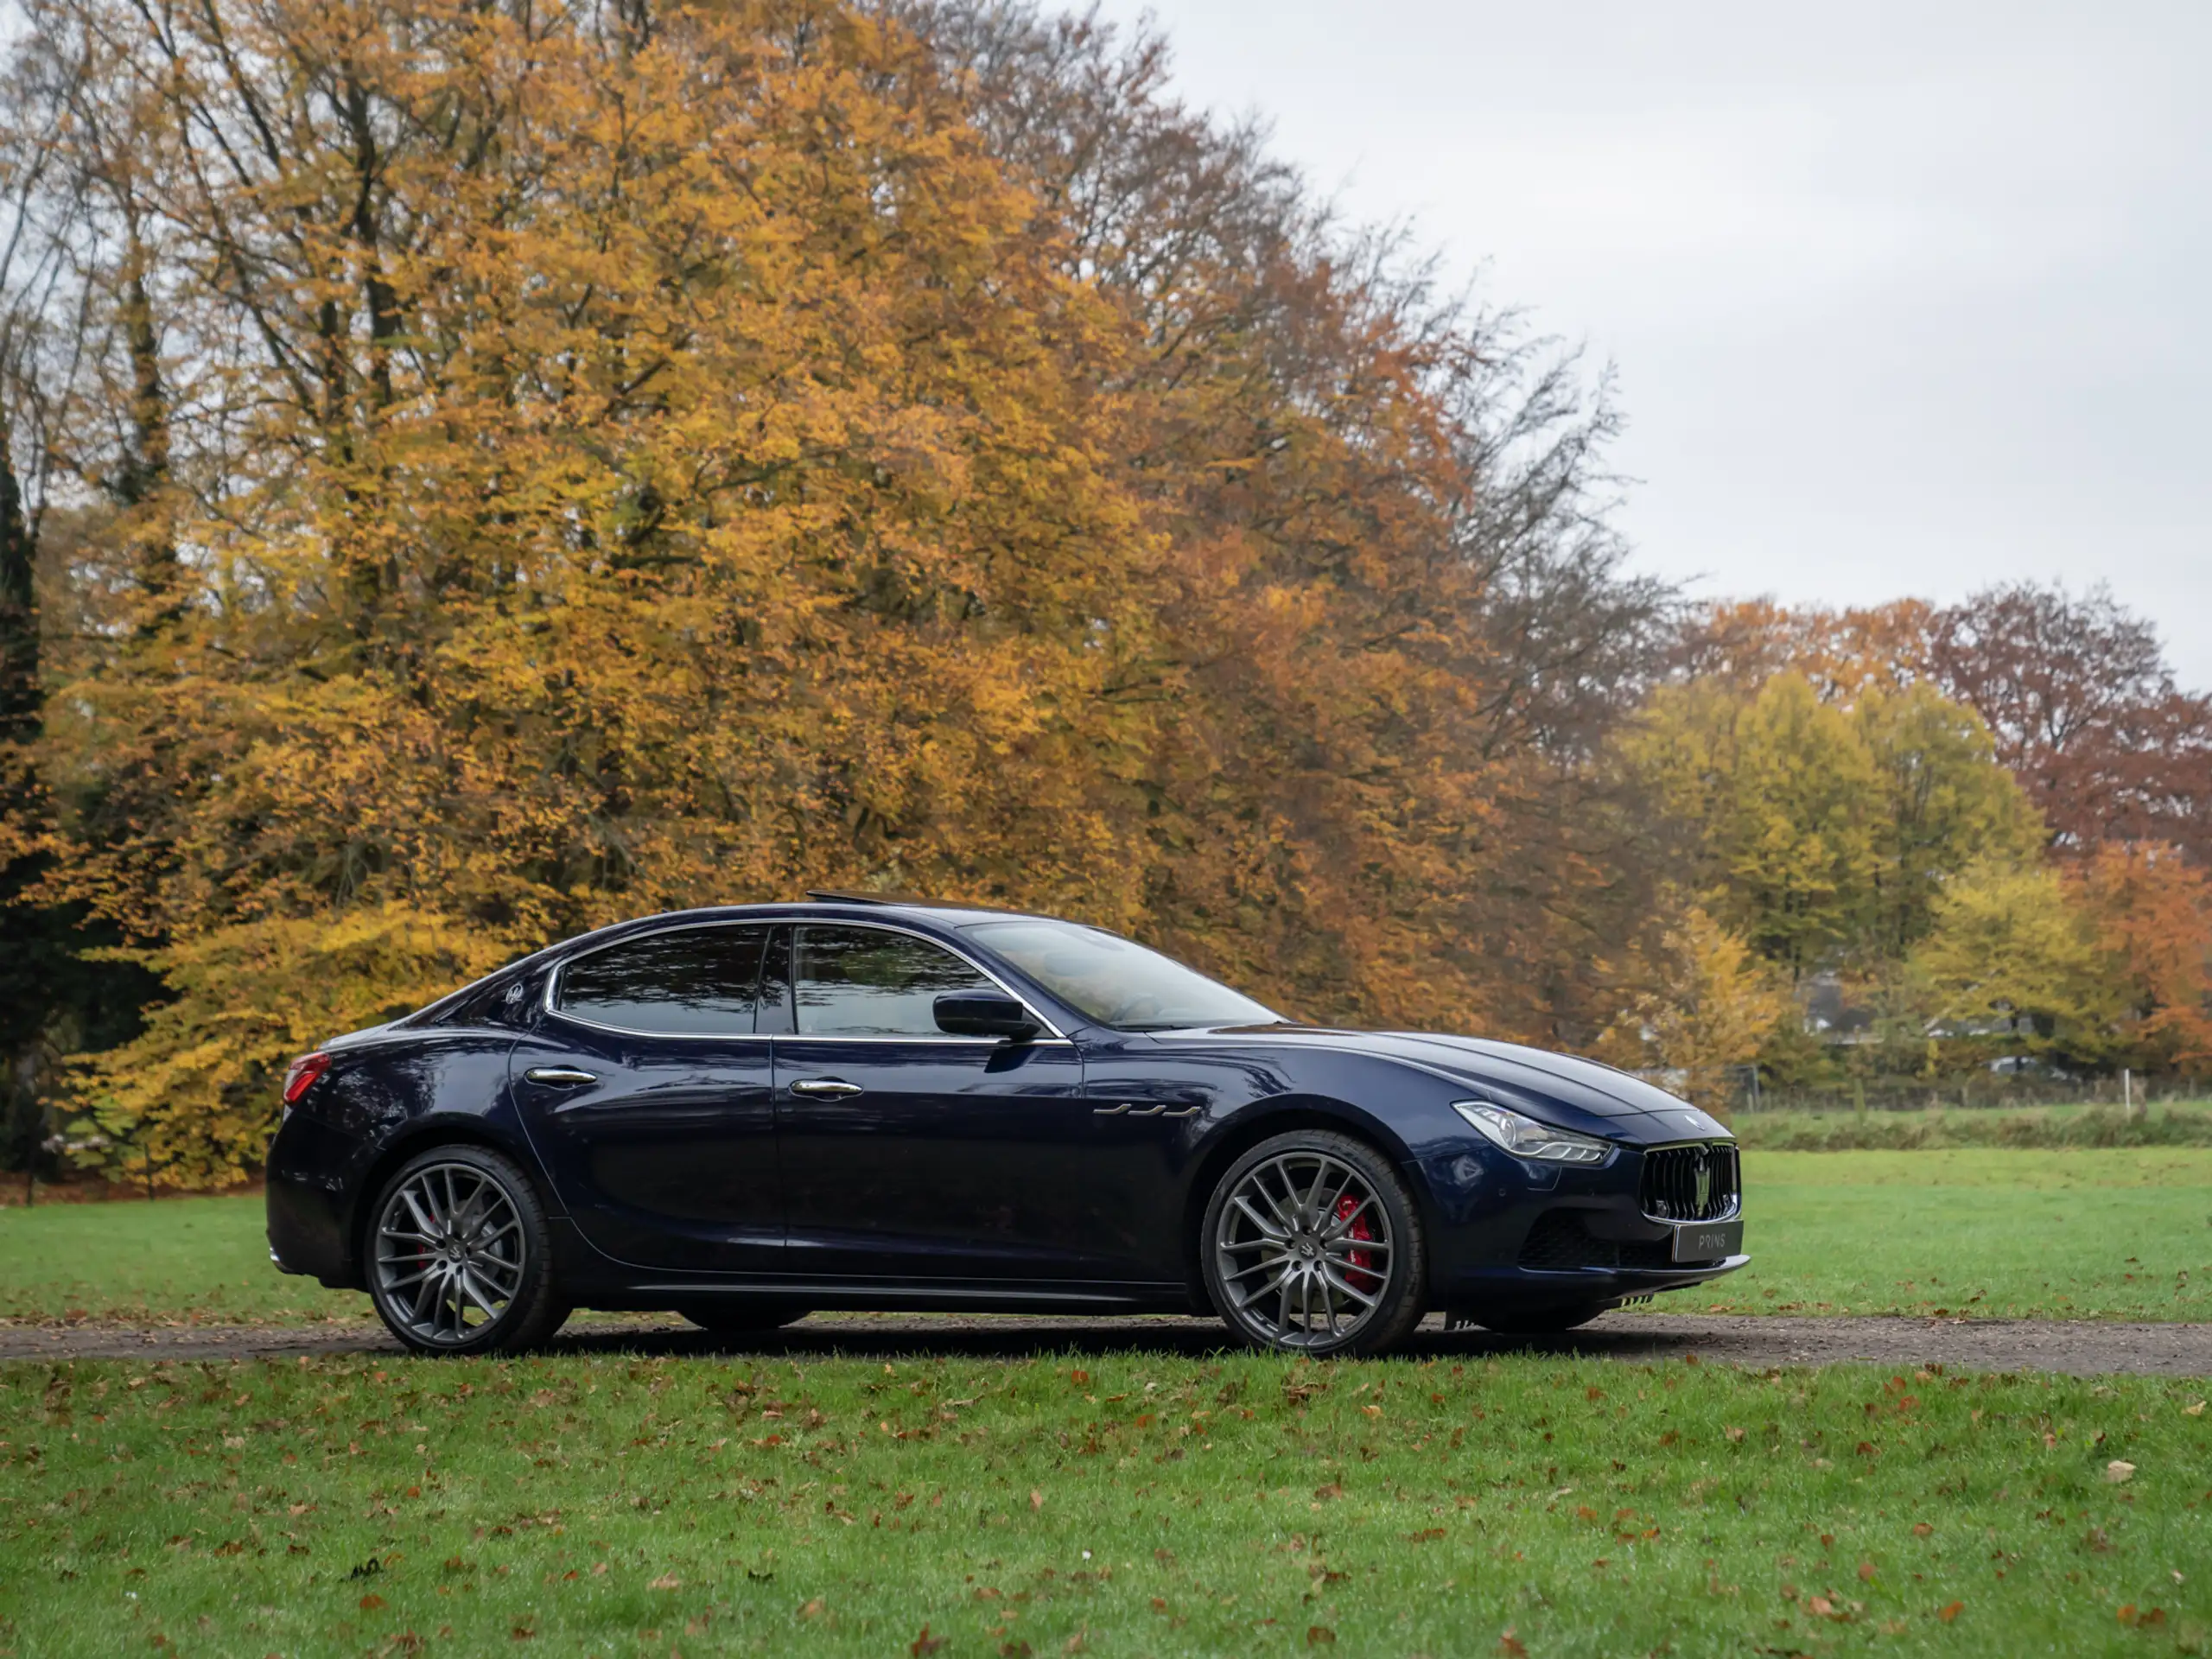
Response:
column 982, row 1013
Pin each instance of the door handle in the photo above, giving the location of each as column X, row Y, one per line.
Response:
column 824, row 1088
column 566, row 1076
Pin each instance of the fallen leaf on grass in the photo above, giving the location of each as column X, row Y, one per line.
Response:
column 1867, row 1571
column 1920, row 1528
column 1334, row 1489
column 1036, row 1499
column 811, row 1609
column 2120, row 1470
column 2196, row 1410
column 1318, row 1636
column 925, row 1644
column 1509, row 1645
column 666, row 1581
column 1945, row 1615
column 370, row 1603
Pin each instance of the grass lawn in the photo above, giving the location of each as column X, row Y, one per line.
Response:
column 2173, row 1123
column 1993, row 1233
column 1123, row 1503
column 175, row 1259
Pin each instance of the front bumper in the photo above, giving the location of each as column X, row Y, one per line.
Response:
column 1511, row 1232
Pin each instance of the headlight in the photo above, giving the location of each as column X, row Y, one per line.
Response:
column 1526, row 1138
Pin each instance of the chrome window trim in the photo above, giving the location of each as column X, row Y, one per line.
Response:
column 551, row 1002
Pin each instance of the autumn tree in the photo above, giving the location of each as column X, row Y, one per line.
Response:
column 1706, row 1004
column 1767, row 804
column 2151, row 910
column 1844, row 654
column 23, row 1009
column 2010, row 961
column 555, row 465
column 1941, row 803
column 56, row 992
column 1824, row 833
column 2085, row 712
column 1406, row 626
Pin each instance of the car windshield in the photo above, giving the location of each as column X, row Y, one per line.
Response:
column 1115, row 982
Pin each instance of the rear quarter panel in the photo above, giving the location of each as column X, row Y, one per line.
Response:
column 381, row 1098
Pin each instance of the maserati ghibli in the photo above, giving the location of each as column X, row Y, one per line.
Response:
column 743, row 1115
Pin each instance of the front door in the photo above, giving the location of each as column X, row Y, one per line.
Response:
column 911, row 1154
column 648, row 1094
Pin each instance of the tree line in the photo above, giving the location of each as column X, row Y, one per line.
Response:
column 476, row 471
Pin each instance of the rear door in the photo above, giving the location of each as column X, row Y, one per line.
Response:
column 648, row 1094
column 911, row 1155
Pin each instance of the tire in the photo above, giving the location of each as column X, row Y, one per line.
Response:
column 736, row 1317
column 1539, row 1321
column 1304, row 1228
column 458, row 1256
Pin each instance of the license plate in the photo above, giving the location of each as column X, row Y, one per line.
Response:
column 1708, row 1241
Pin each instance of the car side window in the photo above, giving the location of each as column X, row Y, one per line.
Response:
column 863, row 981
column 695, row 981
column 507, row 1005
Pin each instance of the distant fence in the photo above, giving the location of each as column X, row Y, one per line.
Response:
column 1975, row 1092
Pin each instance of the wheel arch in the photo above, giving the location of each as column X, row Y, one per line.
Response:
column 1258, row 1122
column 419, row 1136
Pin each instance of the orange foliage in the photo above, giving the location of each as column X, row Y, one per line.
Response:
column 2153, row 911
column 1844, row 654
column 630, row 461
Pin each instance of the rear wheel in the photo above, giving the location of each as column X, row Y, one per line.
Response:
column 460, row 1261
column 1311, row 1245
column 735, row 1318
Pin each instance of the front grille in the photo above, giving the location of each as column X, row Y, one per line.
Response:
column 1691, row 1183
column 1560, row 1243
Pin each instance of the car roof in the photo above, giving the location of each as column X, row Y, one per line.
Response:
column 917, row 901
column 943, row 912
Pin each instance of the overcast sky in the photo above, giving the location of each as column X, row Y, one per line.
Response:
column 1903, row 299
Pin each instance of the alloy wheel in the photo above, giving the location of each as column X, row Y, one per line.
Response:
column 450, row 1254
column 1303, row 1249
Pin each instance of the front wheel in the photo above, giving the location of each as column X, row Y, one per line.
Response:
column 1312, row 1245
column 460, row 1258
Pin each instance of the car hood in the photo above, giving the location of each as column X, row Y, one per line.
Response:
column 1517, row 1074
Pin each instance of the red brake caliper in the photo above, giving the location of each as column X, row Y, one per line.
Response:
column 1364, row 1276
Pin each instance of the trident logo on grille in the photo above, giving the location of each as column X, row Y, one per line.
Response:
column 1701, row 1187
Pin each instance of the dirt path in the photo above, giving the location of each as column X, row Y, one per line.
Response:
column 2082, row 1348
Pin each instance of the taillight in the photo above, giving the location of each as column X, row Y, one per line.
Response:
column 301, row 1075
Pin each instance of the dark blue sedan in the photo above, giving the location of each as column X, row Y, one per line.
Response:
column 746, row 1114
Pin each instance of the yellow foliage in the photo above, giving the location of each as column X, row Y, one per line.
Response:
column 2008, row 954
column 677, row 462
column 1821, row 832
column 196, row 1094
column 1708, row 1005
